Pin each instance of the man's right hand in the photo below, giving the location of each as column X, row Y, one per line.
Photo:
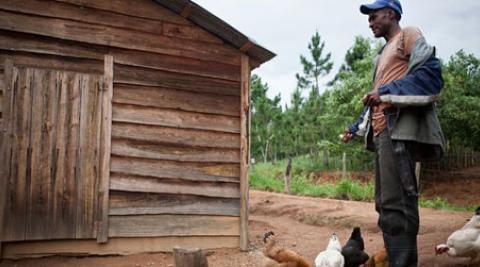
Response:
column 346, row 136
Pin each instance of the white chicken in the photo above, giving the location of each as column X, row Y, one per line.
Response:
column 332, row 256
column 464, row 242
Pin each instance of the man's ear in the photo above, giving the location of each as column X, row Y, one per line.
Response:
column 391, row 14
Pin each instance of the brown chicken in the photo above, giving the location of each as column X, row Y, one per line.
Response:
column 280, row 257
column 379, row 259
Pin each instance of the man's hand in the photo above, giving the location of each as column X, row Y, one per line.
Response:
column 346, row 136
column 371, row 99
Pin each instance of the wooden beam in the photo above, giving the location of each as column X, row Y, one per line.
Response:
column 140, row 203
column 140, row 8
column 246, row 46
column 105, row 151
column 175, row 118
column 152, row 150
column 187, row 10
column 244, row 149
column 5, row 142
column 167, row 98
column 207, row 172
column 115, row 246
column 139, row 184
column 180, row 137
column 173, row 225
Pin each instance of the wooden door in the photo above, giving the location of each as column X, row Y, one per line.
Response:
column 52, row 121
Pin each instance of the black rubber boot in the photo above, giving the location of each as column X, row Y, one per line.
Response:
column 402, row 250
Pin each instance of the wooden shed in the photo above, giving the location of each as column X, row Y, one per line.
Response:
column 124, row 127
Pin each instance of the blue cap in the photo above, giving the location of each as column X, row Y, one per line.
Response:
column 379, row 4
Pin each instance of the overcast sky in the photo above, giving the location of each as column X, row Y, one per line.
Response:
column 286, row 26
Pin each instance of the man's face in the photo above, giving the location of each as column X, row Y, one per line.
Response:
column 380, row 21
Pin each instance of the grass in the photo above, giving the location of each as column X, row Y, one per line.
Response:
column 442, row 204
column 269, row 177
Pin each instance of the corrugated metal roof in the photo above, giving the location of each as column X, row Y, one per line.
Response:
column 218, row 27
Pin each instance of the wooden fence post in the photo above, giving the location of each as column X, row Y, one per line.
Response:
column 344, row 165
column 288, row 176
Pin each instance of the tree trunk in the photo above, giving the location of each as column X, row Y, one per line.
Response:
column 288, row 176
column 265, row 155
column 193, row 257
column 325, row 159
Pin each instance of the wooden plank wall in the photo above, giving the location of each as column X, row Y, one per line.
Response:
column 175, row 148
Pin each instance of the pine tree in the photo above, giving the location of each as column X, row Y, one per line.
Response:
column 315, row 67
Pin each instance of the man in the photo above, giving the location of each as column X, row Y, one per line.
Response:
column 400, row 124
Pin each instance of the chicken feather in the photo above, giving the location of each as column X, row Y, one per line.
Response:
column 281, row 257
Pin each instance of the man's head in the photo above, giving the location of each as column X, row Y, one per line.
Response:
column 382, row 16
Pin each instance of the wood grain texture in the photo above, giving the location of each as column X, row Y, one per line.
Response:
column 88, row 174
column 174, row 118
column 189, row 32
column 40, row 144
column 133, row 203
column 53, row 46
column 149, row 77
column 64, row 184
column 176, row 99
column 55, row 63
column 87, row 14
column 84, row 14
column 133, row 183
column 5, row 143
column 141, row 149
column 209, row 172
column 117, row 37
column 244, row 150
column 183, row 137
column 173, row 225
column 105, row 151
column 140, row 8
column 115, row 246
column 16, row 124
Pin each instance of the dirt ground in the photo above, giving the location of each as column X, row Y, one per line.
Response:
column 302, row 224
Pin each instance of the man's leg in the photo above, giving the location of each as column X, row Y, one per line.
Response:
column 396, row 200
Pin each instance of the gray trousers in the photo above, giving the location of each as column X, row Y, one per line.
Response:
column 396, row 193
column 396, row 199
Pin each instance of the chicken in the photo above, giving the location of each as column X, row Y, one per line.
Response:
column 280, row 257
column 379, row 259
column 353, row 251
column 331, row 257
column 464, row 242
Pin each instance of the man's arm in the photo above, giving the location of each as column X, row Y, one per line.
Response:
column 424, row 84
column 358, row 128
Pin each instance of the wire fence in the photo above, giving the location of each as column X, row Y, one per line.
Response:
column 451, row 164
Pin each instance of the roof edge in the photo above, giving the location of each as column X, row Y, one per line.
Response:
column 216, row 26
